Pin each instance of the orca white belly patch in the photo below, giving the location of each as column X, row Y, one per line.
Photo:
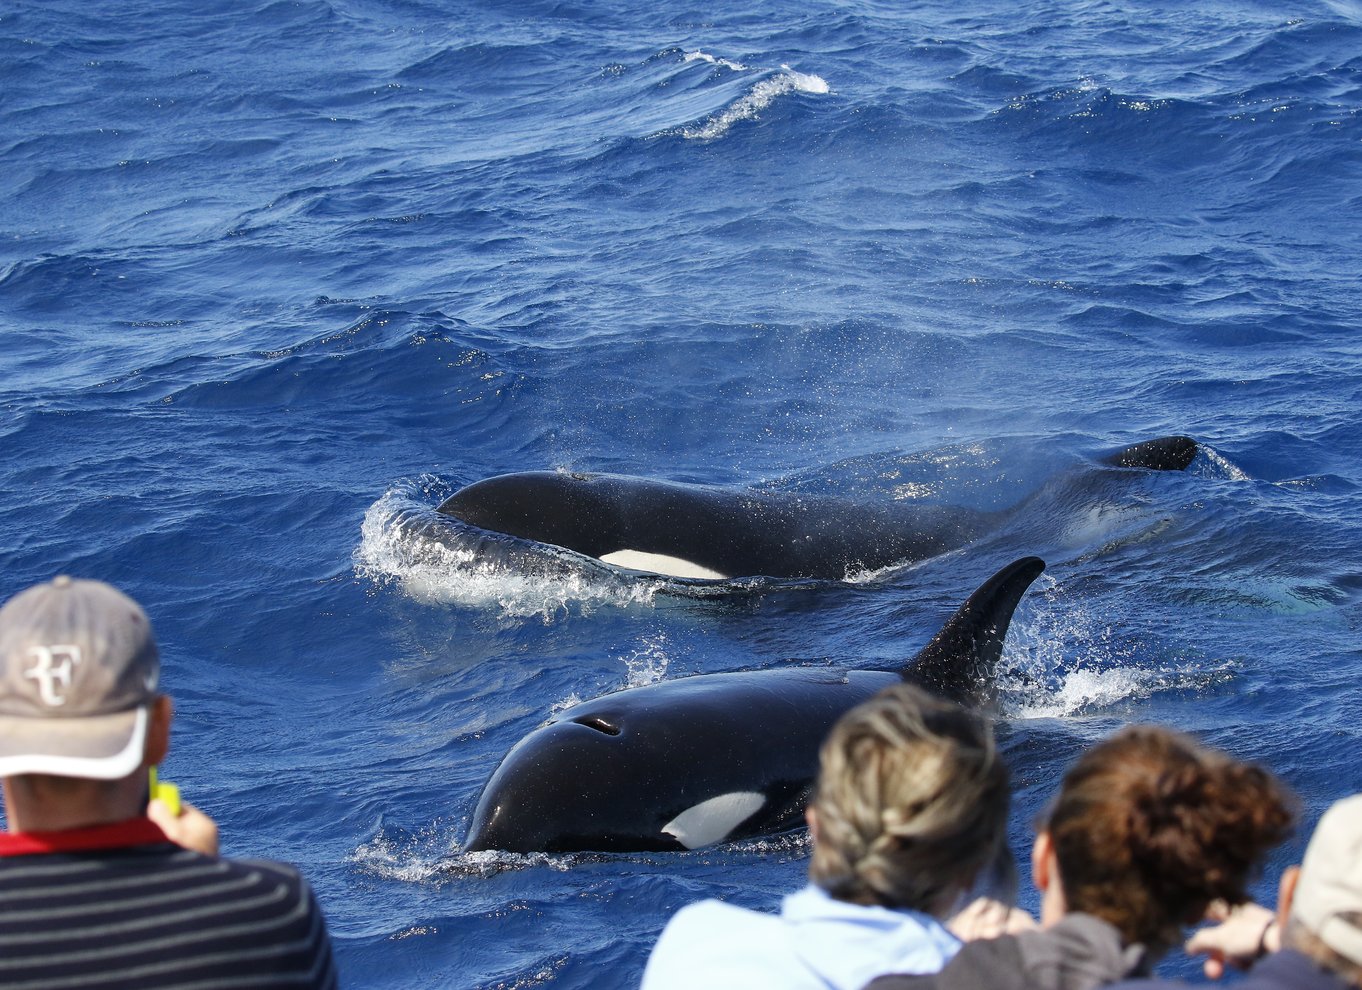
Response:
column 660, row 563
column 712, row 821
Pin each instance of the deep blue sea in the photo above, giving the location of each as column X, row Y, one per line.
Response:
column 273, row 274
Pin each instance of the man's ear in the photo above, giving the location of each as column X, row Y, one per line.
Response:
column 1045, row 874
column 812, row 819
column 161, row 712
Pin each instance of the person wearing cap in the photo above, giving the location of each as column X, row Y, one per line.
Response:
column 99, row 888
column 1314, row 940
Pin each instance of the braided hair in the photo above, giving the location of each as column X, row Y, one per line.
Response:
column 911, row 803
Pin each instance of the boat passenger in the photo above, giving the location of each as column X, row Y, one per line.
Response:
column 1314, row 939
column 910, row 805
column 95, row 892
column 1149, row 829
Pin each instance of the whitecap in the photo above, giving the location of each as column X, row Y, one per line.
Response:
column 713, row 60
column 757, row 99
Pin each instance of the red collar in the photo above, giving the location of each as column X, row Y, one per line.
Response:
column 118, row 835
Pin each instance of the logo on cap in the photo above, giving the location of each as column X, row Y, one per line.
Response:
column 52, row 669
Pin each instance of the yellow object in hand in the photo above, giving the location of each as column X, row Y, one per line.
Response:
column 167, row 792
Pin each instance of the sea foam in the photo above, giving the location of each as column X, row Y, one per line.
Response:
column 755, row 100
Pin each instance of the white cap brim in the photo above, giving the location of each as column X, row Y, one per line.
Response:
column 96, row 747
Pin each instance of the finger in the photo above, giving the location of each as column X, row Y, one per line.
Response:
column 1217, row 910
column 159, row 812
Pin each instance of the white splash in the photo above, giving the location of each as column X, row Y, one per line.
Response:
column 431, row 571
column 1219, row 466
column 558, row 707
column 647, row 664
column 1083, row 691
column 706, row 57
column 761, row 96
column 431, row 855
column 874, row 575
column 409, row 857
column 1062, row 660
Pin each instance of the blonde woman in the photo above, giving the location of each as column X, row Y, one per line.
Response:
column 911, row 803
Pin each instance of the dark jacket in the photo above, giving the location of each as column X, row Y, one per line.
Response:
column 1079, row 953
column 1279, row 971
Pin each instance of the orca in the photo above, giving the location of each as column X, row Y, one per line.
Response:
column 714, row 533
column 714, row 758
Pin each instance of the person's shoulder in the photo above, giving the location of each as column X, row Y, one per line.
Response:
column 1081, row 950
column 285, row 910
column 993, row 962
column 712, row 942
column 284, row 880
column 284, row 872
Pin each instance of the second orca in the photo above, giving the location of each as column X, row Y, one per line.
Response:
column 714, row 757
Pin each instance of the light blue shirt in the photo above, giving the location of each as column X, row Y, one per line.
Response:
column 815, row 943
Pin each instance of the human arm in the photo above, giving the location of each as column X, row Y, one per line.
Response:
column 1243, row 934
column 191, row 828
column 989, row 918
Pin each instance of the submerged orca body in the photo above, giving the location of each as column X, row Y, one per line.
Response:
column 711, row 532
column 714, row 757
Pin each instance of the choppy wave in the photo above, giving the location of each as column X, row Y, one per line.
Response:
column 727, row 63
column 1063, row 659
column 754, row 101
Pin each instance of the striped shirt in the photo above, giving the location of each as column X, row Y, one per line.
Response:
column 119, row 906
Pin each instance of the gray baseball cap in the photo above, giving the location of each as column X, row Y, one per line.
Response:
column 1329, row 892
column 78, row 671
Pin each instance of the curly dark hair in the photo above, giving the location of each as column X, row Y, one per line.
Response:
column 1150, row 826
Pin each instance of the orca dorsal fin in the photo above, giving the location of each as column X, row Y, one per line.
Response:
column 1172, row 453
column 960, row 661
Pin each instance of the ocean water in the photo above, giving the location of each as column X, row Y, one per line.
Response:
column 274, row 275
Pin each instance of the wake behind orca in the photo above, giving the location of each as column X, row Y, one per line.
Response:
column 712, row 532
column 714, row 757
